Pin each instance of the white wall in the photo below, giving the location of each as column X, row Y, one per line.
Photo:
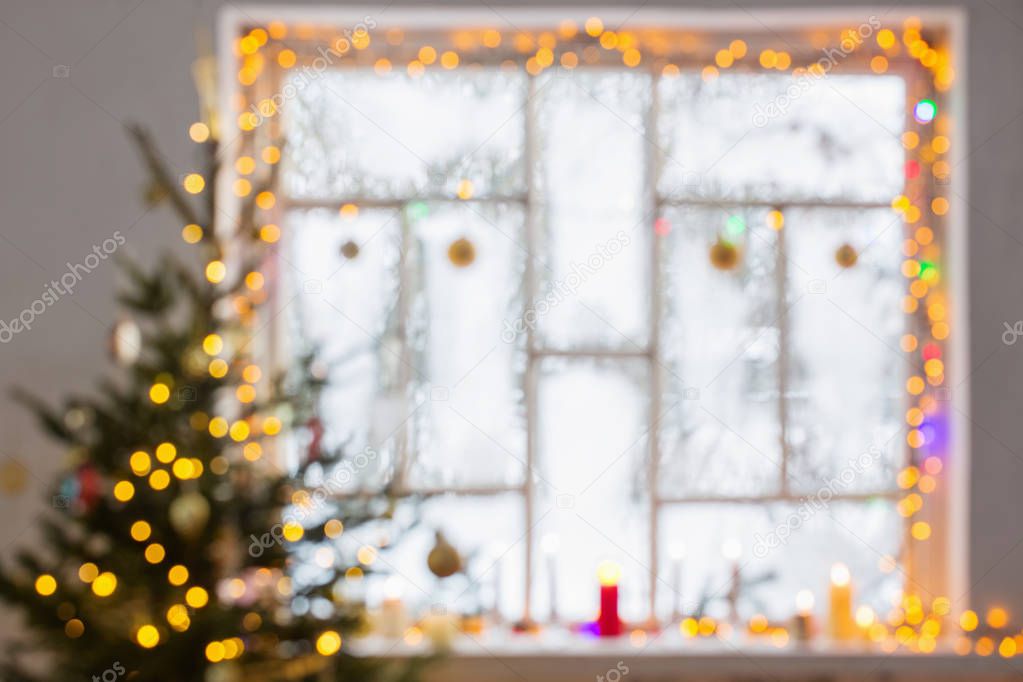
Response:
column 69, row 179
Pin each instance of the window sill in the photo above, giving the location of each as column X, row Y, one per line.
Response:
column 499, row 655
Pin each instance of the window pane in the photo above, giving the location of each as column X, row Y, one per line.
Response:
column 720, row 432
column 355, row 133
column 469, row 424
column 782, row 562
column 489, row 534
column 747, row 136
column 593, row 259
column 591, row 488
column 343, row 307
column 846, row 372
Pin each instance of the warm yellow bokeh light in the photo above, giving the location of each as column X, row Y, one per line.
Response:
column 328, row 643
column 193, row 183
column 124, row 491
column 155, row 553
column 46, row 584
column 159, row 393
column 147, row 636
column 177, row 575
column 159, row 479
column 218, row 427
column 166, row 452
column 87, row 572
column 216, row 271
column 141, row 530
column 104, row 584
column 199, row 132
column 191, row 233
column 197, row 597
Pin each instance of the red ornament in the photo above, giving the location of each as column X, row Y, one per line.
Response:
column 662, row 227
column 912, row 169
column 315, row 427
column 931, row 351
column 88, row 486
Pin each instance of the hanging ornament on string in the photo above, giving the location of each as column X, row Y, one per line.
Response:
column 846, row 255
column 154, row 194
column 188, row 514
column 724, row 255
column 316, row 431
column 125, row 342
column 13, row 477
column 462, row 253
column 350, row 250
column 80, row 490
column 443, row 560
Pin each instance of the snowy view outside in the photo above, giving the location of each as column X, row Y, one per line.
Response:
column 589, row 315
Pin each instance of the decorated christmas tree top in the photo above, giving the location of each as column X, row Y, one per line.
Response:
column 171, row 554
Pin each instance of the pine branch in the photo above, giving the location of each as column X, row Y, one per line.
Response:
column 162, row 176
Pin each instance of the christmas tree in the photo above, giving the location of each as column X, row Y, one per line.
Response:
column 172, row 554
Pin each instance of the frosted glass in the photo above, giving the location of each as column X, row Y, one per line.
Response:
column 489, row 534
column 720, row 431
column 837, row 138
column 591, row 486
column 355, row 133
column 345, row 309
column 468, row 422
column 593, row 260
column 847, row 371
column 860, row 535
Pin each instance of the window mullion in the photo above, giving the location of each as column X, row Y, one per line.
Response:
column 781, row 287
column 653, row 172
column 531, row 378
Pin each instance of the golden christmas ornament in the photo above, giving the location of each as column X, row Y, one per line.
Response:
column 724, row 255
column 443, row 560
column 846, row 256
column 125, row 342
column 189, row 514
column 350, row 250
column 13, row 477
column 461, row 253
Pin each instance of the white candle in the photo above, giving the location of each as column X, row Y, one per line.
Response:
column 840, row 617
column 676, row 553
column 732, row 550
column 804, row 615
column 393, row 618
column 549, row 545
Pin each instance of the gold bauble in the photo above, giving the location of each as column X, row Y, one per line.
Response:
column 443, row 560
column 13, row 477
column 846, row 256
column 724, row 255
column 189, row 514
column 350, row 250
column 125, row 342
column 461, row 253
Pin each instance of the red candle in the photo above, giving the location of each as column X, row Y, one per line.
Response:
column 608, row 622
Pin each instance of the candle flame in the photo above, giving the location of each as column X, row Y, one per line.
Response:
column 608, row 573
column 840, row 575
column 804, row 602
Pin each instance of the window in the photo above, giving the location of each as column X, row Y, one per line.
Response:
column 602, row 302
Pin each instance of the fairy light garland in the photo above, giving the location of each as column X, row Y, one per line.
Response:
column 910, row 623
